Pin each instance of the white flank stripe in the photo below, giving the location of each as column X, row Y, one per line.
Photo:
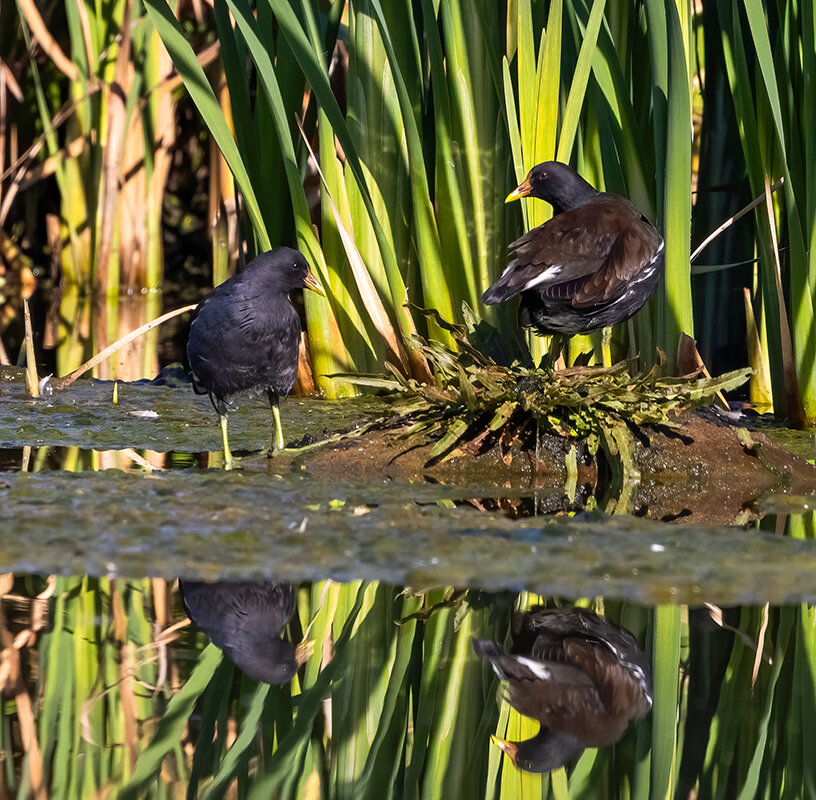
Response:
column 536, row 667
column 547, row 275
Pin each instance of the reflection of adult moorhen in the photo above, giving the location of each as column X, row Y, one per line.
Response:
column 583, row 678
column 595, row 263
column 245, row 619
column 245, row 336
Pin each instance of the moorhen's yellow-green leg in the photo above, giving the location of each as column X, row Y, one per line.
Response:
column 606, row 346
column 220, row 407
column 228, row 462
column 274, row 401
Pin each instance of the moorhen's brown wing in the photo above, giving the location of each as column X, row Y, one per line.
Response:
column 616, row 687
column 569, row 250
column 559, row 696
column 635, row 248
column 583, row 678
column 602, row 716
column 556, row 693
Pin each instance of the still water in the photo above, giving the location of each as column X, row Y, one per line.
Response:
column 351, row 610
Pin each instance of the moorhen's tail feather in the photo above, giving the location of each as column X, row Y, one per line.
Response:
column 505, row 288
column 509, row 667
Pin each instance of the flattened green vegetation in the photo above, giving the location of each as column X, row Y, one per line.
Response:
column 475, row 397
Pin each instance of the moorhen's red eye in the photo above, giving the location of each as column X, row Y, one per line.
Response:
column 544, row 176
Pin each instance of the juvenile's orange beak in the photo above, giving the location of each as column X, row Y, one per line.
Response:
column 312, row 283
column 522, row 190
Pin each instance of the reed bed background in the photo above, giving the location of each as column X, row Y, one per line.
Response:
column 380, row 138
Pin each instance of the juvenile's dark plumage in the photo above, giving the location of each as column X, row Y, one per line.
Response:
column 245, row 620
column 583, row 678
column 245, row 336
column 594, row 264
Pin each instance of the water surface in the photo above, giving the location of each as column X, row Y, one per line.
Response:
column 103, row 506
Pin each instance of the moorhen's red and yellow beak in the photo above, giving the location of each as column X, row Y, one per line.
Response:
column 310, row 282
column 508, row 748
column 522, row 190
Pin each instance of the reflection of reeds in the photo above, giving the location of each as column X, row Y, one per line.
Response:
column 118, row 126
column 392, row 701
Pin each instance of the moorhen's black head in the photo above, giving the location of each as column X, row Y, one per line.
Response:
column 264, row 658
column 289, row 267
column 556, row 183
column 547, row 750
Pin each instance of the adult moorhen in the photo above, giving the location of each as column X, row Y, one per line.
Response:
column 582, row 677
column 594, row 264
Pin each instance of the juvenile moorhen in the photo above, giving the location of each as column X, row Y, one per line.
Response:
column 245, row 336
column 583, row 678
column 244, row 620
column 594, row 264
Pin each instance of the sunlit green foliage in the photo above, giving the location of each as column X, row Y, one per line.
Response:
column 475, row 398
column 422, row 117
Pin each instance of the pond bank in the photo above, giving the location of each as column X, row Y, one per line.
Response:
column 706, row 471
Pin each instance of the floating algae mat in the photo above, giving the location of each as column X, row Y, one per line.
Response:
column 158, row 417
column 211, row 524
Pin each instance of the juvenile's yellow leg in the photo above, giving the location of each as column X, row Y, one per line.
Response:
column 278, row 427
column 606, row 346
column 228, row 463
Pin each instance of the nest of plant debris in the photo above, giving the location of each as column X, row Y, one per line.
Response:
column 476, row 401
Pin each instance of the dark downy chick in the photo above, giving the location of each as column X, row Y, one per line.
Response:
column 245, row 620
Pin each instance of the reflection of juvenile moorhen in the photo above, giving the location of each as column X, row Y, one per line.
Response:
column 583, row 678
column 245, row 620
column 245, row 336
column 595, row 263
